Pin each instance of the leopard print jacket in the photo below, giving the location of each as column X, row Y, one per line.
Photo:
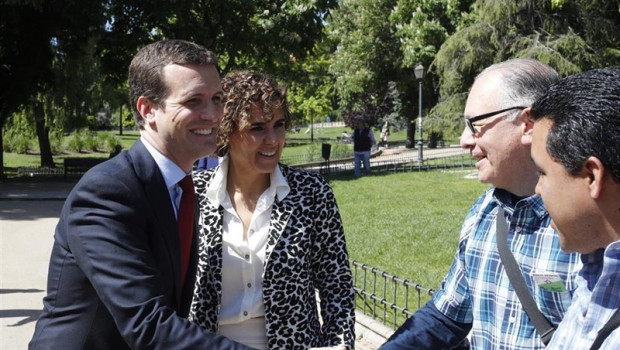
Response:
column 305, row 251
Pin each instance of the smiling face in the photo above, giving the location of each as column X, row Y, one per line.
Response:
column 566, row 197
column 503, row 160
column 257, row 148
column 184, row 127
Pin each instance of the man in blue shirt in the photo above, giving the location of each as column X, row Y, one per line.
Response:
column 575, row 145
column 476, row 297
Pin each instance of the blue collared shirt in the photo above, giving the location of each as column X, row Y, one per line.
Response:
column 171, row 173
column 477, row 290
column 596, row 299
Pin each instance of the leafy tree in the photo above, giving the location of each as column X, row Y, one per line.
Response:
column 310, row 90
column 266, row 35
column 380, row 44
column 36, row 36
column 78, row 51
column 569, row 35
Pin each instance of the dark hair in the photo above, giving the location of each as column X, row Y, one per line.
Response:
column 523, row 81
column 145, row 70
column 585, row 113
column 242, row 91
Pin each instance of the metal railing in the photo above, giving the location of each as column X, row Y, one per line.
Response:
column 384, row 297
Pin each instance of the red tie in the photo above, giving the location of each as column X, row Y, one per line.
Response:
column 186, row 222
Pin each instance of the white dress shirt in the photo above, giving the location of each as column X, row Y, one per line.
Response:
column 241, row 315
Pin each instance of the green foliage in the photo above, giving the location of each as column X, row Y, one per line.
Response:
column 447, row 116
column 367, row 52
column 571, row 36
column 463, row 55
column 311, row 92
column 17, row 143
column 340, row 151
column 423, row 26
column 18, row 133
column 91, row 141
column 57, row 142
column 76, row 142
column 379, row 44
column 313, row 153
column 107, row 142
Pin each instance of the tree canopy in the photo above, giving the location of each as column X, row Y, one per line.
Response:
column 64, row 60
column 569, row 35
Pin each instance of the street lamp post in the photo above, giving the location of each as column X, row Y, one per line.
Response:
column 419, row 75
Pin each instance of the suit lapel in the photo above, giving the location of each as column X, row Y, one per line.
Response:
column 162, row 212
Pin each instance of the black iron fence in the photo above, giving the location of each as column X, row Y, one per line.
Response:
column 384, row 297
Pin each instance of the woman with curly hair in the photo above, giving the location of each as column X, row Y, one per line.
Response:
column 271, row 237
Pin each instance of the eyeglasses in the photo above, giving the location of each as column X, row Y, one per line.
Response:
column 470, row 121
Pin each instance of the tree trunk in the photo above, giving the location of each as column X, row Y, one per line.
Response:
column 43, row 135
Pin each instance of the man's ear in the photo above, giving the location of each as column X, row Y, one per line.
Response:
column 594, row 172
column 527, row 125
column 145, row 107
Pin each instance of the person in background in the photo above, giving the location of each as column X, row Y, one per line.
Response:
column 385, row 133
column 576, row 147
column 363, row 141
column 116, row 275
column 476, row 298
column 271, row 237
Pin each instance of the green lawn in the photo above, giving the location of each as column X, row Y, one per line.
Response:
column 406, row 223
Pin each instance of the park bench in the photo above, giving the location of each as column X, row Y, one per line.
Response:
column 78, row 166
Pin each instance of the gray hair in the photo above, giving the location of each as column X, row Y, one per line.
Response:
column 523, row 81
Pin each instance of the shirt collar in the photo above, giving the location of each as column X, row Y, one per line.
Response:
column 216, row 192
column 594, row 257
column 510, row 202
column 171, row 172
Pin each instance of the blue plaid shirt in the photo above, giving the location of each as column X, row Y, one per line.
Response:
column 596, row 299
column 477, row 290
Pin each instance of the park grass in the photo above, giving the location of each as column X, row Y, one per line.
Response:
column 406, row 224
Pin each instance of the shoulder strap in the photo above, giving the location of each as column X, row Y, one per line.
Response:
column 610, row 326
column 543, row 326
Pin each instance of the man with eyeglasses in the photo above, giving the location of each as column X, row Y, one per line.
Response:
column 477, row 300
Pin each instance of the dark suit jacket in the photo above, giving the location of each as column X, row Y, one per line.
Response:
column 114, row 275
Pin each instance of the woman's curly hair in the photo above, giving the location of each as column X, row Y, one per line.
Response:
column 242, row 91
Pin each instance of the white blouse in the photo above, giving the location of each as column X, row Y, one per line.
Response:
column 241, row 315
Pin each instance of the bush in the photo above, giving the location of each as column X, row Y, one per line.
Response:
column 340, row 151
column 56, row 142
column 91, row 140
column 76, row 142
column 313, row 154
column 108, row 141
column 17, row 143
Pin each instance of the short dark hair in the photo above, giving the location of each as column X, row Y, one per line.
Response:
column 145, row 70
column 584, row 110
column 242, row 91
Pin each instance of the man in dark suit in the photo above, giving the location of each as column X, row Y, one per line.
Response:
column 118, row 278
